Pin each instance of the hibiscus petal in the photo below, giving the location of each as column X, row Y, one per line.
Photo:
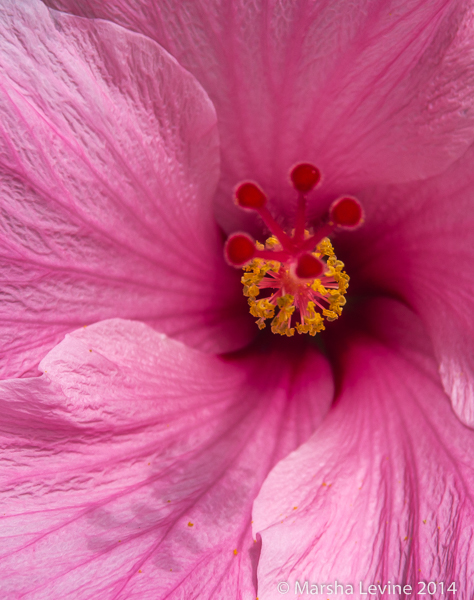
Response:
column 109, row 159
column 372, row 91
column 383, row 492
column 134, row 461
column 418, row 244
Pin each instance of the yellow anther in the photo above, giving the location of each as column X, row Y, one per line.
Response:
column 272, row 243
column 253, row 290
column 273, row 265
column 325, row 247
column 281, row 323
column 262, row 308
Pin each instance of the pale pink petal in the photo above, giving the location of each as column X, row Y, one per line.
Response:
column 370, row 91
column 109, row 159
column 134, row 460
column 384, row 489
column 418, row 244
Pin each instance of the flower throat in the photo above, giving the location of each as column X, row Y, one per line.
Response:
column 294, row 279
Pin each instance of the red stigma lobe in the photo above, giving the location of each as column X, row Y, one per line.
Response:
column 346, row 212
column 249, row 195
column 239, row 249
column 304, row 177
column 309, row 267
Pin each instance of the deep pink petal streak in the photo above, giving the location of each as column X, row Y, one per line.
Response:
column 384, row 490
column 108, row 164
column 135, row 453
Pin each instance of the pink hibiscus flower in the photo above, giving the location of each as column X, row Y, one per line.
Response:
column 166, row 449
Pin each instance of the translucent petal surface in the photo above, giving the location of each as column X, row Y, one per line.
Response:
column 133, row 463
column 383, row 491
column 108, row 165
column 369, row 91
column 424, row 253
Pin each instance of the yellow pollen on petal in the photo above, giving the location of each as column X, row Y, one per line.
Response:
column 294, row 304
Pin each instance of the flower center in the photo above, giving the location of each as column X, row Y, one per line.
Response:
column 298, row 277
